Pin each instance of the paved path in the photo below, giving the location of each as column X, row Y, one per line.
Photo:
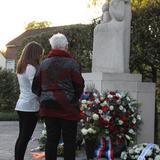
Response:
column 8, row 136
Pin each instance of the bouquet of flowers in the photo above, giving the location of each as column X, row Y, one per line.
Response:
column 112, row 114
column 142, row 151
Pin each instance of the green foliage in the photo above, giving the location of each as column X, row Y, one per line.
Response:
column 135, row 4
column 37, row 25
column 8, row 116
column 96, row 2
column 9, row 90
column 145, row 40
column 145, row 48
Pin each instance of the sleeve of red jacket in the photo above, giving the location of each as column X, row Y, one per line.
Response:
column 77, row 79
column 36, row 85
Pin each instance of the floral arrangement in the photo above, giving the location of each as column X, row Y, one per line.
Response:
column 43, row 138
column 142, row 151
column 113, row 114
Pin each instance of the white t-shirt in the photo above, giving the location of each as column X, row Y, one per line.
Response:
column 27, row 101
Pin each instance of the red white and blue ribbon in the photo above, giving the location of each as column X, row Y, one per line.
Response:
column 109, row 152
column 104, row 150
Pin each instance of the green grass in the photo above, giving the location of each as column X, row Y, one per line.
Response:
column 8, row 116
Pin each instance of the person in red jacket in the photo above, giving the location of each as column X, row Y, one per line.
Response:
column 59, row 84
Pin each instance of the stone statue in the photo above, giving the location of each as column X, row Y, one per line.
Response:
column 111, row 44
column 105, row 13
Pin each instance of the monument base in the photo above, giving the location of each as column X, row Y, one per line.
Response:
column 143, row 92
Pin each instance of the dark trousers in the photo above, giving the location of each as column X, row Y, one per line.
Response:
column 27, row 124
column 55, row 128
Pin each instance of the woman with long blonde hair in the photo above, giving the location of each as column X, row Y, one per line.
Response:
column 27, row 105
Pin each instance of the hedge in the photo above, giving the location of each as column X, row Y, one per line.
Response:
column 9, row 90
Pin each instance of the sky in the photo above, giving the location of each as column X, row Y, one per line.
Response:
column 16, row 14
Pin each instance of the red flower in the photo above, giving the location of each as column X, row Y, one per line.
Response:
column 115, row 98
column 112, row 93
column 124, row 118
column 82, row 114
column 105, row 108
column 103, row 122
column 107, row 99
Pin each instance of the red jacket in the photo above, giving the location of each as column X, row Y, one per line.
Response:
column 59, row 84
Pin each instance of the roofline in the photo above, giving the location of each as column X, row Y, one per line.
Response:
column 10, row 45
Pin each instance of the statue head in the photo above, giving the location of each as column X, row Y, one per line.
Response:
column 116, row 9
column 105, row 7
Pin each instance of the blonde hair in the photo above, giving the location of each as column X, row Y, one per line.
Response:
column 31, row 54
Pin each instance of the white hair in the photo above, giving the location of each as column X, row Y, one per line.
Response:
column 58, row 41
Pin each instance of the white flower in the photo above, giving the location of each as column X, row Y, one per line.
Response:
column 132, row 142
column 84, row 131
column 102, row 98
column 44, row 125
column 118, row 101
column 149, row 153
column 124, row 110
column 84, row 101
column 89, row 102
column 119, row 136
column 128, row 99
column 107, row 118
column 121, row 107
column 128, row 137
column 118, row 95
column 111, row 107
column 100, row 111
column 136, row 156
column 131, row 151
column 139, row 117
column 120, row 122
column 84, row 105
column 97, row 100
column 91, row 130
column 44, row 132
column 132, row 157
column 141, row 148
column 124, row 155
column 95, row 95
column 132, row 109
column 157, row 157
column 135, row 146
column 104, row 103
column 95, row 116
column 134, row 120
column 81, row 120
column 131, row 131
column 157, row 148
column 137, row 150
column 110, row 96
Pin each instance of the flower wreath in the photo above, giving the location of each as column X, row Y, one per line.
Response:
column 113, row 114
column 142, row 151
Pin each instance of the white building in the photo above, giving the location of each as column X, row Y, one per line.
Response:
column 2, row 61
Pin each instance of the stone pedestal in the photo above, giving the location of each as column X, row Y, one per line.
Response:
column 144, row 93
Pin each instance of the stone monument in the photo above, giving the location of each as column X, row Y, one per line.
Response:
column 112, row 38
column 110, row 63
